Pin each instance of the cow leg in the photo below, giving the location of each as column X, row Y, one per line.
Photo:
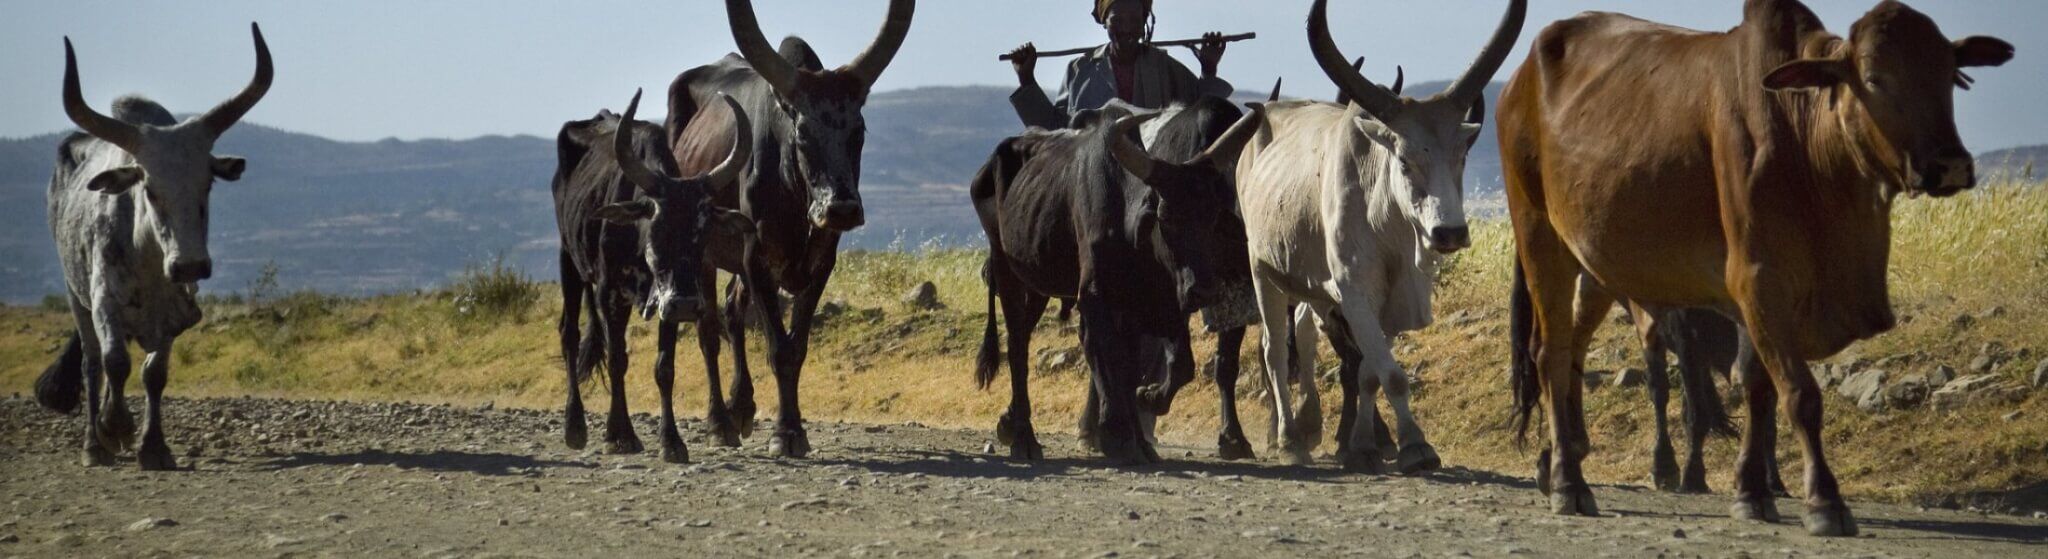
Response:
column 718, row 421
column 1309, row 418
column 618, row 424
column 1230, row 443
column 1180, row 368
column 737, row 306
column 1021, row 312
column 154, row 454
column 673, row 450
column 1697, row 384
column 574, row 432
column 1089, row 431
column 1275, row 348
column 116, row 426
column 1753, row 500
column 1827, row 514
column 95, row 451
column 1110, row 348
column 1664, row 462
column 1551, row 275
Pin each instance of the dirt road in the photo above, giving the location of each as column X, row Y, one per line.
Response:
column 278, row 478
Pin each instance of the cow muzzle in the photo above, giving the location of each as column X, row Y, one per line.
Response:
column 1194, row 294
column 671, row 309
column 839, row 216
column 189, row 271
column 1945, row 176
column 1447, row 239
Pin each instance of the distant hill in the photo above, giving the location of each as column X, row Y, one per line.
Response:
column 2026, row 163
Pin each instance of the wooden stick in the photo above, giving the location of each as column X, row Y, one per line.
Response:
column 1161, row 44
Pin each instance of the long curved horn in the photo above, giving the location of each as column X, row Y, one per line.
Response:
column 224, row 116
column 742, row 147
column 1474, row 81
column 636, row 171
column 870, row 63
column 1359, row 65
column 1233, row 140
column 1129, row 154
column 1376, row 101
column 1400, row 77
column 746, row 32
column 122, row 134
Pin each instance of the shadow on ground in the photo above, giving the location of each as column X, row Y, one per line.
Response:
column 486, row 464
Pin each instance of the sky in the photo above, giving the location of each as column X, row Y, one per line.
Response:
column 374, row 69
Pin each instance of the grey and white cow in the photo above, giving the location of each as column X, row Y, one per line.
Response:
column 128, row 208
column 1348, row 209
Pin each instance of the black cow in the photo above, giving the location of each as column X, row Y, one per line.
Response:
column 1087, row 214
column 632, row 235
column 802, row 192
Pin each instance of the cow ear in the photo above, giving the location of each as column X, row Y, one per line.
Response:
column 229, row 168
column 731, row 224
column 1807, row 74
column 1978, row 50
column 1376, row 131
column 627, row 213
column 116, row 180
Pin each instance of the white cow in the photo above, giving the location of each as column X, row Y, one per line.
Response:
column 1347, row 209
column 128, row 208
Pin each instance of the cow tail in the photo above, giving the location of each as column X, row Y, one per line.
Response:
column 986, row 365
column 590, row 351
column 60, row 388
column 1522, row 375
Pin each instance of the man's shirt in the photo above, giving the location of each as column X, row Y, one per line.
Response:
column 1156, row 80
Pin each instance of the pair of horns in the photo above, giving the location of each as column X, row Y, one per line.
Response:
column 129, row 137
column 1138, row 162
column 1382, row 103
column 781, row 75
column 651, row 182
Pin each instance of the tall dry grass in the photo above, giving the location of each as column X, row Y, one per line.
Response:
column 876, row 359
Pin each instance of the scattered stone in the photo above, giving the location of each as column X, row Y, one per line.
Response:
column 1962, row 322
column 1973, row 389
column 1940, row 375
column 274, row 541
column 68, row 540
column 1909, row 392
column 1982, row 364
column 151, row 524
column 334, row 517
column 923, row 297
column 10, row 538
column 1631, row 378
column 1596, row 379
column 2041, row 374
column 2013, row 416
column 1130, row 515
column 1866, row 388
column 1058, row 359
column 1678, row 533
column 988, row 447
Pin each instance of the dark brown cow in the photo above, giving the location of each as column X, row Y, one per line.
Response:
column 802, row 191
column 1751, row 172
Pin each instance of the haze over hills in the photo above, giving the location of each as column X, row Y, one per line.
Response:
column 391, row 215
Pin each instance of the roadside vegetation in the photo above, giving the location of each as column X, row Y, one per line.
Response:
column 1969, row 278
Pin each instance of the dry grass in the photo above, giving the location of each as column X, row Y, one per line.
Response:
column 877, row 360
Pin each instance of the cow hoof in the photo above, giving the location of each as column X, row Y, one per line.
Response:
column 1575, row 501
column 743, row 416
column 1756, row 510
column 1419, row 457
column 1155, row 398
column 1695, row 481
column 117, row 428
column 1777, row 486
column 790, row 443
column 721, row 428
column 1296, row 456
column 155, row 458
column 96, row 455
column 1830, row 521
column 1543, row 471
column 622, row 444
column 1091, row 439
column 1149, row 454
column 1364, row 462
column 675, row 453
column 1664, row 471
column 1027, row 448
column 1020, row 437
column 574, row 433
column 1233, row 448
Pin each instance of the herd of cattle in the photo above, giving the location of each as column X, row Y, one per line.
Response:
column 1731, row 189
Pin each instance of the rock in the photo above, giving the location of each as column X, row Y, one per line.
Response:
column 1678, row 533
column 1975, row 389
column 334, row 517
column 1861, row 385
column 1982, row 364
column 833, row 308
column 1909, row 392
column 1940, row 375
column 2014, row 416
column 1994, row 312
column 1962, row 322
column 923, row 297
column 68, row 540
column 1596, row 379
column 10, row 538
column 1631, row 378
column 2041, row 374
column 151, row 524
column 1056, row 359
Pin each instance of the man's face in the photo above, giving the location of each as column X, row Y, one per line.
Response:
column 1126, row 24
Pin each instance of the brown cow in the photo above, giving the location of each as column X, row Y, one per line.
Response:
column 1750, row 171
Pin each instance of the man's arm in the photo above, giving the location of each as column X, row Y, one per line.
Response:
column 1033, row 108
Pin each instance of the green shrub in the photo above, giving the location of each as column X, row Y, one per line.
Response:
column 494, row 290
column 56, row 303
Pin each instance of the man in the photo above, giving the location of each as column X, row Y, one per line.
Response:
column 1126, row 68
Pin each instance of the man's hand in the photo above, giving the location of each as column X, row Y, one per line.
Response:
column 1025, row 61
column 1210, row 52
